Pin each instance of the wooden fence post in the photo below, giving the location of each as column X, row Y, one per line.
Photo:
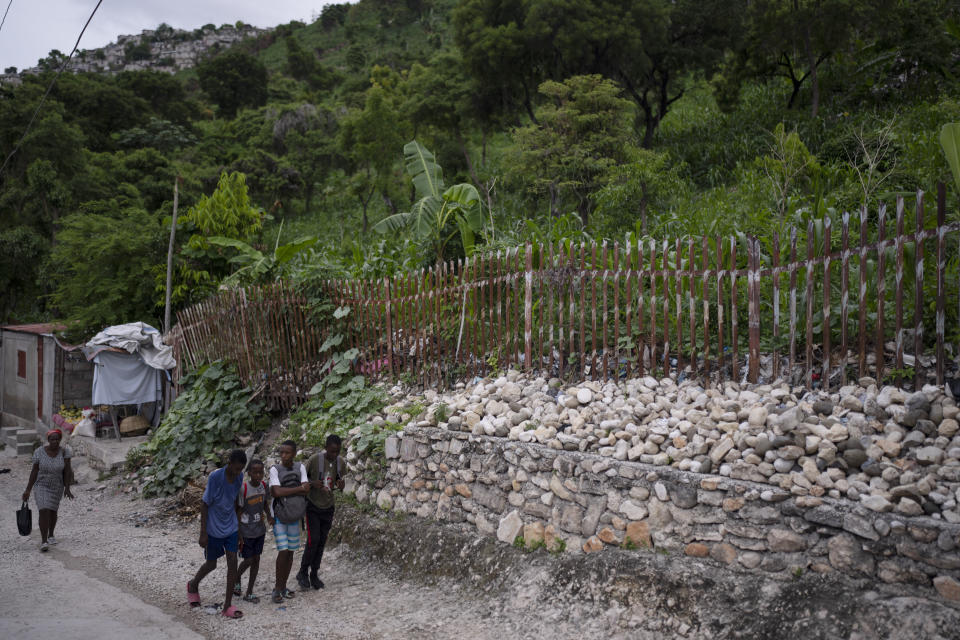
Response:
column 825, row 324
column 941, row 275
column 881, row 292
column 753, row 310
column 918, row 296
column 844, row 294
column 808, row 365
column 898, row 294
column 862, row 299
column 389, row 308
column 528, row 308
column 775, row 264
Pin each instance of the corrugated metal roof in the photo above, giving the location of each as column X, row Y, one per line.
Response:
column 39, row 328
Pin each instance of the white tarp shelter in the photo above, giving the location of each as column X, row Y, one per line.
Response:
column 131, row 362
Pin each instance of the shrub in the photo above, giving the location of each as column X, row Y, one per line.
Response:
column 205, row 419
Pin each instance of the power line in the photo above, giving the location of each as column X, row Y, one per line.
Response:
column 5, row 14
column 50, row 87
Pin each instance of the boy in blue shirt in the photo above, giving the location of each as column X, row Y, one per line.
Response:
column 218, row 529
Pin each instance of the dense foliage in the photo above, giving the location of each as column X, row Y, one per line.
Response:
column 563, row 118
column 205, row 419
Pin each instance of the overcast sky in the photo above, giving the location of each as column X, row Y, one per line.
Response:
column 34, row 27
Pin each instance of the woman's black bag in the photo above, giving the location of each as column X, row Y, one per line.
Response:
column 24, row 520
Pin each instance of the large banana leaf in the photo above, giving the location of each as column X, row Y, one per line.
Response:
column 427, row 216
column 285, row 253
column 423, row 169
column 950, row 141
column 423, row 216
column 247, row 255
column 464, row 199
column 394, row 224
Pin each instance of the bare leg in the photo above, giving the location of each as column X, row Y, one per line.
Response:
column 284, row 563
column 43, row 521
column 242, row 567
column 202, row 572
column 231, row 578
column 254, row 564
column 53, row 523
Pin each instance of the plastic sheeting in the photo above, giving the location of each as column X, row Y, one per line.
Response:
column 119, row 378
column 134, row 337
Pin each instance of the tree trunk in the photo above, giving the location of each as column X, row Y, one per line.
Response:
column 554, row 196
column 473, row 174
column 387, row 201
column 583, row 209
column 528, row 104
column 796, row 91
column 643, row 208
column 814, row 82
column 483, row 147
column 308, row 196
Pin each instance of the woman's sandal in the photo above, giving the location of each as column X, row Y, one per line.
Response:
column 277, row 597
column 232, row 612
column 193, row 597
column 237, row 589
column 286, row 593
column 251, row 598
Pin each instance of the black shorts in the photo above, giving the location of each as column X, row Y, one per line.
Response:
column 252, row 547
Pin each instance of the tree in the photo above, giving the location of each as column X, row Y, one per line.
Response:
column 648, row 46
column 22, row 248
column 304, row 66
column 647, row 184
column 443, row 96
column 369, row 139
column 234, row 80
column 312, row 150
column 254, row 266
column 581, row 134
column 134, row 51
column 794, row 39
column 440, row 214
column 162, row 91
column 105, row 257
column 226, row 213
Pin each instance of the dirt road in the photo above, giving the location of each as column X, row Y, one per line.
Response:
column 115, row 574
column 60, row 594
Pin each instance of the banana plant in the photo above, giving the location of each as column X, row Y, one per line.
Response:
column 254, row 265
column 438, row 209
column 950, row 141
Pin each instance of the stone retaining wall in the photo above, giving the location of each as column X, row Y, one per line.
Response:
column 582, row 501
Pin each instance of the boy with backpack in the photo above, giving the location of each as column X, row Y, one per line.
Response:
column 252, row 511
column 325, row 472
column 288, row 487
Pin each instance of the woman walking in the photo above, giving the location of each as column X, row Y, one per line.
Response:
column 51, row 476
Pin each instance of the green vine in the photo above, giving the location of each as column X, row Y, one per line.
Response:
column 205, row 418
column 341, row 400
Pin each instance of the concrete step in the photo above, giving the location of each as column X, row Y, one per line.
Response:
column 24, row 448
column 19, row 440
column 26, row 435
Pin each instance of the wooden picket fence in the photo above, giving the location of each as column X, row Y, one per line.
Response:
column 609, row 311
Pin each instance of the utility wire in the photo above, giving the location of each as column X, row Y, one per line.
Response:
column 5, row 14
column 49, row 87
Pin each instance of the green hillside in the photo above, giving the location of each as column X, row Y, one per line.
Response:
column 564, row 119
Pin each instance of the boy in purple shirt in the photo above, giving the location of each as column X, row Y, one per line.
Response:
column 218, row 529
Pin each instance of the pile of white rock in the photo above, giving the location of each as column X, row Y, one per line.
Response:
column 886, row 448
